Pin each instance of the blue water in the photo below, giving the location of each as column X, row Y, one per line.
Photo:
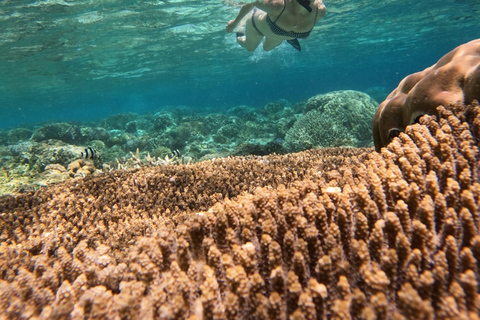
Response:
column 87, row 61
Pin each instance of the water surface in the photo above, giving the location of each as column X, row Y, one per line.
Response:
column 87, row 59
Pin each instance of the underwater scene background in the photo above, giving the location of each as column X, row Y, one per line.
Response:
column 150, row 168
column 162, row 76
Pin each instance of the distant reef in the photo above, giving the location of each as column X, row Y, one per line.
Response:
column 38, row 155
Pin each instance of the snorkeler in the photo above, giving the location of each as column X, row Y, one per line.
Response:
column 276, row 21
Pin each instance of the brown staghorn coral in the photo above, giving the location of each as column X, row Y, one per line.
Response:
column 330, row 234
column 124, row 204
column 454, row 79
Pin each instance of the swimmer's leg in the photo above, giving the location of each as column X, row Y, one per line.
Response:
column 271, row 43
column 252, row 38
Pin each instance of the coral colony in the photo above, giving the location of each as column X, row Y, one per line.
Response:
column 455, row 78
column 330, row 233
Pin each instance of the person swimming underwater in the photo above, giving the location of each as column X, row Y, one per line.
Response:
column 276, row 21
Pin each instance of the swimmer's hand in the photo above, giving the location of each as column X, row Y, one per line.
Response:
column 231, row 25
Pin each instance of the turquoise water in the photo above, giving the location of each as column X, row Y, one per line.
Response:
column 85, row 60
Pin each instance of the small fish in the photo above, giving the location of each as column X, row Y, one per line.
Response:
column 89, row 153
column 176, row 153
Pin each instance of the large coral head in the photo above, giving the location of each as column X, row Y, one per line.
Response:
column 454, row 79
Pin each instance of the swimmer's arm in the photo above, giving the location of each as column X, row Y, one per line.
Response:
column 246, row 8
column 265, row 5
column 270, row 6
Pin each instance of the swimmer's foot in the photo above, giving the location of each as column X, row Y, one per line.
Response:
column 241, row 38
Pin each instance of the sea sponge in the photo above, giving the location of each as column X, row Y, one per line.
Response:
column 333, row 233
column 454, row 79
column 340, row 118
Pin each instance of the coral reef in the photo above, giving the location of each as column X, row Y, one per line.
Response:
column 340, row 118
column 95, row 134
column 3, row 137
column 19, row 134
column 274, row 146
column 29, row 165
column 162, row 121
column 199, row 135
column 38, row 155
column 66, row 132
column 117, row 122
column 332, row 233
column 455, row 78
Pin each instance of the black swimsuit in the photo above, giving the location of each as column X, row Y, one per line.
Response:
column 253, row 20
column 279, row 31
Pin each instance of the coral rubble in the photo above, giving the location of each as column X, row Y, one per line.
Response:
column 333, row 233
column 454, row 79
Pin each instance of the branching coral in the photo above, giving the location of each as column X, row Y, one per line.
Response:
column 336, row 233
